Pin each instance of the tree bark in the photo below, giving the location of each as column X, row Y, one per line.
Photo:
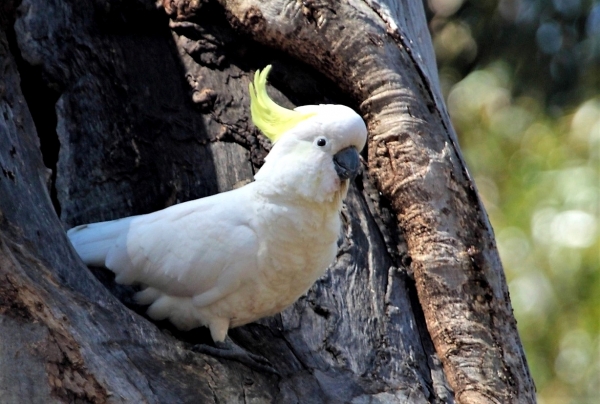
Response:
column 136, row 109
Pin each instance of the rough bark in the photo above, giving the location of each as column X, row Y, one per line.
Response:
column 136, row 111
column 383, row 57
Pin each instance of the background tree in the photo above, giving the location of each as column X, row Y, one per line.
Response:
column 522, row 79
column 136, row 111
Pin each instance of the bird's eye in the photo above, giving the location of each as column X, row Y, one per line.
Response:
column 321, row 142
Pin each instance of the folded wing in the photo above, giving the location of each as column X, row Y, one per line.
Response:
column 202, row 248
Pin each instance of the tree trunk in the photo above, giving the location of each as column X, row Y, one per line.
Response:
column 134, row 109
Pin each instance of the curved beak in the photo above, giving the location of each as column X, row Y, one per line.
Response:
column 347, row 163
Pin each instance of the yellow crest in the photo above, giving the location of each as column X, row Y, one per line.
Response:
column 272, row 119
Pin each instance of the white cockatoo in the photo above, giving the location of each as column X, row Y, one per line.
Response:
column 232, row 258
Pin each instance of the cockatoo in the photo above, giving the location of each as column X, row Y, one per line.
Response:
column 235, row 257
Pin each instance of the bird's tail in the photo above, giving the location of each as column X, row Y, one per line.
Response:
column 93, row 241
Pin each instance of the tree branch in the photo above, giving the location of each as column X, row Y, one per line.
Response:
column 386, row 63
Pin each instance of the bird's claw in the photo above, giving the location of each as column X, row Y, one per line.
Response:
column 231, row 351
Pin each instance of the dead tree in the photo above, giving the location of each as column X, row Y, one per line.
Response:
column 116, row 107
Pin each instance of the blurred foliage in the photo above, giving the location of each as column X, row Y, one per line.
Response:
column 522, row 83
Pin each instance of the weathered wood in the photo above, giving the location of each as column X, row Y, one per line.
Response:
column 378, row 52
column 66, row 338
column 151, row 111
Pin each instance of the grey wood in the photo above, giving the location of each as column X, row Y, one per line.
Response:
column 135, row 109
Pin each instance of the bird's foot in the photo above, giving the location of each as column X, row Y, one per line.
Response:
column 230, row 350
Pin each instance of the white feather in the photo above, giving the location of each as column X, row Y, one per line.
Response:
column 93, row 241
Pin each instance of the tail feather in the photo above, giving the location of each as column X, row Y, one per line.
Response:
column 93, row 241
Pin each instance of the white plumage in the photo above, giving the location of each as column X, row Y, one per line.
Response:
column 232, row 258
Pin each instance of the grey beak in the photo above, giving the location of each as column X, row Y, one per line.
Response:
column 347, row 163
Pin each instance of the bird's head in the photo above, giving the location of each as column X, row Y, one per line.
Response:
column 315, row 147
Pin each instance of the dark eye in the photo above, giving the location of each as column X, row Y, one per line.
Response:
column 321, row 142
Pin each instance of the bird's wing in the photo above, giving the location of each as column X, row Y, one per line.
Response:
column 198, row 248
